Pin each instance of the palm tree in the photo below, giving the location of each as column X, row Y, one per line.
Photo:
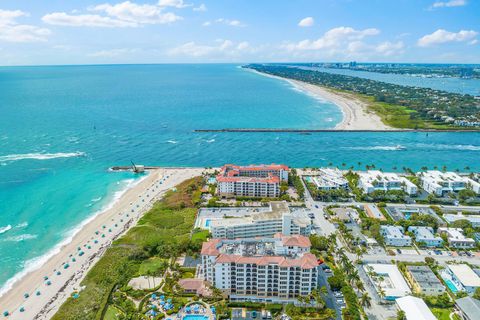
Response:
column 365, row 300
column 360, row 286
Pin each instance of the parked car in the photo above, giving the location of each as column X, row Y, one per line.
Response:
column 316, row 206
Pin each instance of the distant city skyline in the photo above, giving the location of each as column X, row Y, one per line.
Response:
column 184, row 31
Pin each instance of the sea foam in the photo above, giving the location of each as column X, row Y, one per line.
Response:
column 5, row 229
column 36, row 263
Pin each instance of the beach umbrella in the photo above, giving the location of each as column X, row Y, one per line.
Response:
column 73, row 259
column 5, row 313
column 169, row 300
column 96, row 232
column 103, row 235
column 96, row 241
column 78, row 249
column 154, row 296
column 75, row 296
column 66, row 266
column 26, row 295
column 116, row 225
column 109, row 230
column 162, row 297
column 104, row 226
column 38, row 293
column 22, row 309
column 89, row 247
column 162, row 302
column 58, row 273
column 49, row 282
column 45, row 278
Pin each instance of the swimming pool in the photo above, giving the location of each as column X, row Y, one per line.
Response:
column 195, row 317
column 451, row 286
column 207, row 223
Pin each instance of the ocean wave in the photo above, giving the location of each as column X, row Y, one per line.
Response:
column 40, row 156
column 5, row 229
column 96, row 199
column 21, row 237
column 172, row 141
column 21, row 225
column 35, row 263
column 210, row 141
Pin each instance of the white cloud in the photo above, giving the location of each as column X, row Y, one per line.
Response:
column 306, row 22
column 137, row 13
column 228, row 22
column 85, row 20
column 120, row 15
column 201, row 8
column 12, row 31
column 447, row 4
column 443, row 36
column 173, row 3
column 333, row 38
column 388, row 48
column 112, row 53
column 223, row 48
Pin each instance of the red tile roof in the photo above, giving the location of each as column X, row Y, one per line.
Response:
column 209, row 248
column 307, row 261
column 294, row 240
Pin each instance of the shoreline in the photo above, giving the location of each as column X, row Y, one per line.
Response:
column 355, row 112
column 72, row 258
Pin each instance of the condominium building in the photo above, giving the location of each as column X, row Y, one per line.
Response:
column 328, row 179
column 279, row 219
column 426, row 236
column 440, row 183
column 456, row 238
column 393, row 236
column 251, row 181
column 276, row 269
column 424, row 281
column 374, row 180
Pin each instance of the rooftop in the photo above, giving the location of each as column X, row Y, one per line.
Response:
column 469, row 306
column 415, row 308
column 465, row 275
column 393, row 284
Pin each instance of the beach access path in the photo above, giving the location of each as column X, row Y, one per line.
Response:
column 52, row 283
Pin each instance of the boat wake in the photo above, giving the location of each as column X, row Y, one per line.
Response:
column 40, row 156
column 172, row 141
column 384, row 148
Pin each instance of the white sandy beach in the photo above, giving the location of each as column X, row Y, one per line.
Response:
column 93, row 239
column 355, row 112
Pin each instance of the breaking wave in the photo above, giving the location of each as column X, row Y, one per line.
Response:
column 40, row 156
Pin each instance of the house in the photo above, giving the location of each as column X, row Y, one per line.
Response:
column 388, row 280
column 468, row 307
column 464, row 277
column 414, row 308
column 393, row 236
column 425, row 236
column 456, row 238
column 196, row 286
column 472, row 218
column 424, row 281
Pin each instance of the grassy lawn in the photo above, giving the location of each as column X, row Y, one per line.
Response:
column 200, row 235
column 444, row 314
column 112, row 314
column 152, row 266
column 169, row 222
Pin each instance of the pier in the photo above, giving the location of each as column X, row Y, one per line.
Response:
column 286, row 130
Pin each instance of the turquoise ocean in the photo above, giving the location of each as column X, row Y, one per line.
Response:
column 61, row 128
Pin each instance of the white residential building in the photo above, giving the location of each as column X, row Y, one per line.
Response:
column 392, row 283
column 264, row 224
column 374, row 180
column 426, row 236
column 277, row 269
column 474, row 219
column 415, row 308
column 329, row 179
column 251, row 181
column 440, row 183
column 456, row 238
column 464, row 277
column 393, row 236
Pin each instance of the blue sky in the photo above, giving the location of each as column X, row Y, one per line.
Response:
column 36, row 32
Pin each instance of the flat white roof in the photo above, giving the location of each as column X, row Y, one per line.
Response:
column 415, row 308
column 395, row 285
column 465, row 275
